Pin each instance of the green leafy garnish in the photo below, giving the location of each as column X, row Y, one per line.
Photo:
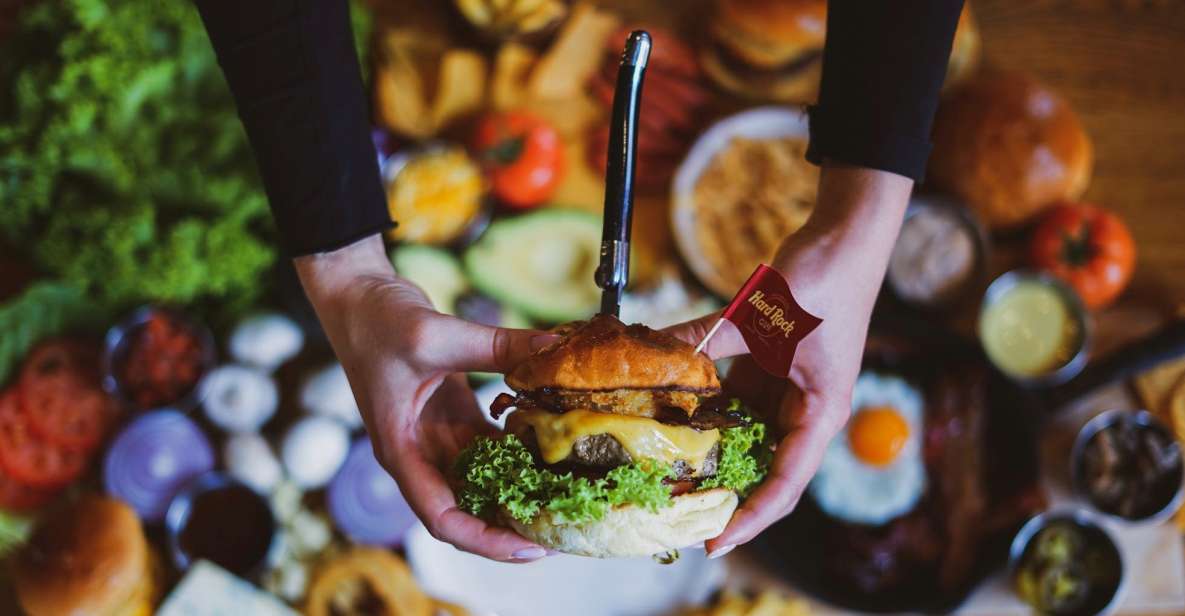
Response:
column 745, row 456
column 14, row 531
column 124, row 169
column 502, row 474
column 42, row 310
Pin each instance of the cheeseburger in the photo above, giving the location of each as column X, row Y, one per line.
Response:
column 620, row 443
column 773, row 49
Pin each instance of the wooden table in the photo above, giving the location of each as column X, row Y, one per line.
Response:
column 1121, row 65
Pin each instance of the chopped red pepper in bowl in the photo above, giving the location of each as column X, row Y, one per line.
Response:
column 156, row 358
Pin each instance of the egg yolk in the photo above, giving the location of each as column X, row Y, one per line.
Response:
column 877, row 435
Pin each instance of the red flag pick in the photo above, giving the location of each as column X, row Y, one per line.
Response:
column 771, row 322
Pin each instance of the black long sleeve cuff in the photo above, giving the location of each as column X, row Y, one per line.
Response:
column 883, row 67
column 296, row 80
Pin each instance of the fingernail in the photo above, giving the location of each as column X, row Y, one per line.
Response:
column 542, row 340
column 717, row 553
column 529, row 554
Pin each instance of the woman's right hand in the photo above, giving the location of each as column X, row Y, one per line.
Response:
column 404, row 361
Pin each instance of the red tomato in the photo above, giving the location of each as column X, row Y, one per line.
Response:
column 1087, row 247
column 523, row 157
column 76, row 419
column 28, row 459
column 16, row 496
column 61, row 396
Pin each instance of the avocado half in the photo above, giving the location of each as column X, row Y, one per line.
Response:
column 540, row 263
column 435, row 271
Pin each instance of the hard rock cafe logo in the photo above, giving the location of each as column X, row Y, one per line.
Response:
column 769, row 315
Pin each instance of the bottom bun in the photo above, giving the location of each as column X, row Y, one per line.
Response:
column 635, row 531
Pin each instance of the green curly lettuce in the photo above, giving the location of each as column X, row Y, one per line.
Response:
column 14, row 531
column 745, row 456
column 42, row 310
column 501, row 474
column 124, row 169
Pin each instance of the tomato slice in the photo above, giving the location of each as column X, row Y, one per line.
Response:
column 62, row 398
column 17, row 496
column 75, row 420
column 28, row 459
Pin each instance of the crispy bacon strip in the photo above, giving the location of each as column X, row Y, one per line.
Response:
column 711, row 414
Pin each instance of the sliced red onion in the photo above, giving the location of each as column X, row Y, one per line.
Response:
column 366, row 503
column 154, row 456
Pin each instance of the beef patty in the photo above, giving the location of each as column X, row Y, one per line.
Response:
column 603, row 451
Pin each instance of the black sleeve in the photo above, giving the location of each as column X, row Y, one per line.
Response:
column 883, row 66
column 292, row 69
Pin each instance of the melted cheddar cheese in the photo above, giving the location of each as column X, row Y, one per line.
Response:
column 641, row 437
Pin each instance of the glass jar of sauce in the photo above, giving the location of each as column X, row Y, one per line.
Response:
column 1033, row 328
column 221, row 520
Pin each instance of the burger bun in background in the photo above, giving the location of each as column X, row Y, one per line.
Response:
column 772, row 50
column 767, row 49
column 89, row 557
column 1009, row 146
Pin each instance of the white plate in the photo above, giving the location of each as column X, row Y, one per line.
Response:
column 561, row 584
column 760, row 123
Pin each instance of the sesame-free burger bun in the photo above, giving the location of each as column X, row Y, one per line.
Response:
column 1009, row 146
column 631, row 530
column 767, row 34
column 88, row 558
column 767, row 49
column 603, row 354
column 773, row 49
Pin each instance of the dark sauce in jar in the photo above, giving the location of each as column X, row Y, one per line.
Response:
column 231, row 526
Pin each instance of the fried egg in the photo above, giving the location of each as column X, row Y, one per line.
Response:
column 872, row 471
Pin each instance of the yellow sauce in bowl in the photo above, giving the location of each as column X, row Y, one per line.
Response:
column 1030, row 330
column 435, row 197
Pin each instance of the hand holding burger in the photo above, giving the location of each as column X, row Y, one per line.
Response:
column 404, row 362
column 621, row 444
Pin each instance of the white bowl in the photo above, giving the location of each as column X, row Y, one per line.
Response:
column 759, row 123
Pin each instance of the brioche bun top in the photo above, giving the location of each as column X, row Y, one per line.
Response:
column 769, row 33
column 603, row 354
column 88, row 558
column 1009, row 147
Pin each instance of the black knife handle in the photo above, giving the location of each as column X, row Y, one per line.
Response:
column 613, row 271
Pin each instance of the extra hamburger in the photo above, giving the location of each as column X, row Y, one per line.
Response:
column 773, row 49
column 1010, row 147
column 621, row 444
column 88, row 558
